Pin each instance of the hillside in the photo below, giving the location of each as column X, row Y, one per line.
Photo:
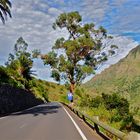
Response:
column 125, row 45
column 53, row 91
column 122, row 78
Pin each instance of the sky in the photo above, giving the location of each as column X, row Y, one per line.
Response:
column 33, row 19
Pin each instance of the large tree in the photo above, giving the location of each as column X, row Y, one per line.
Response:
column 20, row 62
column 5, row 6
column 80, row 49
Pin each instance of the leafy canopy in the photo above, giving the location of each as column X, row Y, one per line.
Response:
column 84, row 42
column 20, row 62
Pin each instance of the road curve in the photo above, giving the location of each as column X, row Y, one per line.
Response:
column 44, row 122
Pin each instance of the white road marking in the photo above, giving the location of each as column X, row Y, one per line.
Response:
column 77, row 127
column 23, row 125
column 2, row 117
column 14, row 113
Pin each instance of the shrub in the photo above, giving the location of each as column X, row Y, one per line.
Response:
column 96, row 101
column 114, row 101
column 127, row 122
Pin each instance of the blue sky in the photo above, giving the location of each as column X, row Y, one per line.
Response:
column 32, row 19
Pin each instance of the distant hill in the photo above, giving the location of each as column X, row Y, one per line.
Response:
column 124, row 46
column 122, row 78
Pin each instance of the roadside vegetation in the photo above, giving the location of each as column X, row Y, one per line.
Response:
column 123, row 79
column 18, row 88
column 111, row 109
column 106, row 97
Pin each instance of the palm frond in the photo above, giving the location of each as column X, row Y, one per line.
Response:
column 5, row 6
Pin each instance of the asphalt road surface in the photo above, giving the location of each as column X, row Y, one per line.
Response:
column 49, row 121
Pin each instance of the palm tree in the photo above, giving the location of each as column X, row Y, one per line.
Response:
column 5, row 6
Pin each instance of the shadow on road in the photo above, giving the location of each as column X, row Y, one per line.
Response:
column 43, row 109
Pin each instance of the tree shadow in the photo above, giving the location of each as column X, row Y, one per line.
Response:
column 43, row 109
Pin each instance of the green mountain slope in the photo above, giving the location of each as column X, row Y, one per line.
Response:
column 122, row 78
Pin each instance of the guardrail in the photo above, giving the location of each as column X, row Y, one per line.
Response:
column 137, row 121
column 97, row 124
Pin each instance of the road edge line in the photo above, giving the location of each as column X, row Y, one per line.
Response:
column 77, row 127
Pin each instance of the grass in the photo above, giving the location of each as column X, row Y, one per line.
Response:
column 122, row 78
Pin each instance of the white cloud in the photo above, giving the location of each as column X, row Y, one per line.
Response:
column 94, row 9
column 124, row 46
column 54, row 11
column 31, row 23
column 33, row 20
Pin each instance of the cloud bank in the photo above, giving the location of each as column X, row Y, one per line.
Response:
column 32, row 19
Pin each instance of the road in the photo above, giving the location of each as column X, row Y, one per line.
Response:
column 49, row 121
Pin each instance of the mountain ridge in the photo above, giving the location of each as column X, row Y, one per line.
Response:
column 122, row 78
column 124, row 44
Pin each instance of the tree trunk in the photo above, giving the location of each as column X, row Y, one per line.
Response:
column 72, row 87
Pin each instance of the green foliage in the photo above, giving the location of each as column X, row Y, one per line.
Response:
column 50, row 58
column 18, row 73
column 116, row 118
column 7, row 78
column 5, row 6
column 43, row 91
column 97, row 101
column 136, row 127
column 19, row 63
column 127, row 123
column 86, row 99
column 122, row 106
column 79, row 47
column 116, row 102
column 117, row 107
column 122, row 78
column 56, row 75
column 114, row 46
column 4, row 77
column 36, row 53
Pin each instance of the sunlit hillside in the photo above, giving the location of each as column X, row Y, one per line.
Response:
column 122, row 78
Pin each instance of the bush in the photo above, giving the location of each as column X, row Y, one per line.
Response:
column 4, row 77
column 116, row 118
column 116, row 102
column 127, row 122
column 88, row 101
column 96, row 102
column 112, row 103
